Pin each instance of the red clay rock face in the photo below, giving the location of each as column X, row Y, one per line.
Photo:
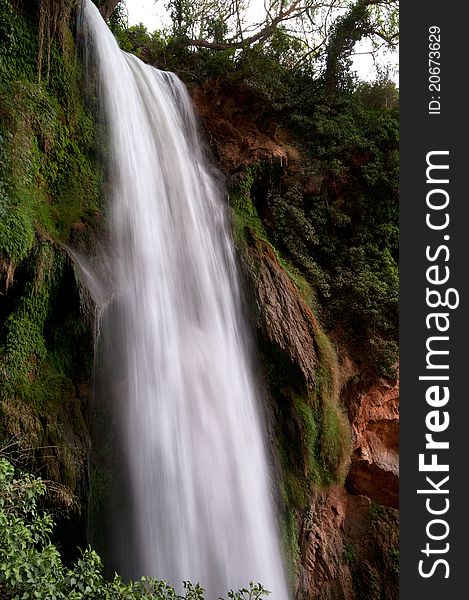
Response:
column 234, row 121
column 374, row 416
column 323, row 574
column 348, row 543
column 343, row 540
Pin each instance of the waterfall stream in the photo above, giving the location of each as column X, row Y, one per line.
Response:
column 182, row 418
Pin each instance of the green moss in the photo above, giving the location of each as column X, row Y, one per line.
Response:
column 317, row 423
column 313, row 434
column 243, row 212
column 39, row 356
column 325, row 443
column 24, row 346
column 49, row 179
column 247, row 224
column 45, row 356
column 335, row 429
column 309, row 426
column 16, row 231
column 290, row 536
column 313, row 438
column 305, row 288
column 48, row 176
column 48, row 182
column 377, row 511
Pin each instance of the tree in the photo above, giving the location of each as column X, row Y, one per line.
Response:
column 322, row 31
column 333, row 26
column 375, row 19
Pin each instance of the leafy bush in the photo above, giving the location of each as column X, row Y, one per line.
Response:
column 342, row 233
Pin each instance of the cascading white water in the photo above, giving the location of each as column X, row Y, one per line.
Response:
column 196, row 494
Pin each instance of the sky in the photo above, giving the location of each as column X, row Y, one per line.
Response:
column 153, row 15
column 147, row 12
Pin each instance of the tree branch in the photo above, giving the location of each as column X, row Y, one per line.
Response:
column 293, row 11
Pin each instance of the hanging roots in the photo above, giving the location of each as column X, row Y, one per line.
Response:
column 54, row 16
column 7, row 272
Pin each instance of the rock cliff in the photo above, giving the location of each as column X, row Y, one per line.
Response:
column 341, row 528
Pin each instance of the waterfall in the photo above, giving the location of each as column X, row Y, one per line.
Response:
column 182, row 425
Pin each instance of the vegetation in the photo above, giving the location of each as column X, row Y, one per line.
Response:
column 49, row 188
column 48, row 183
column 213, row 38
column 312, row 432
column 343, row 234
column 332, row 223
column 350, row 554
column 325, row 32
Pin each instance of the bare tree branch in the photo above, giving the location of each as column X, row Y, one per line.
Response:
column 294, row 11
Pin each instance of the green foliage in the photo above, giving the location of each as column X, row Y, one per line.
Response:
column 131, row 39
column 31, row 566
column 346, row 32
column 38, row 358
column 48, row 179
column 268, row 69
column 45, row 355
column 323, row 431
column 350, row 554
column 377, row 511
column 48, row 176
column 24, row 344
column 338, row 244
column 48, row 183
column 244, row 215
column 295, row 234
column 319, row 40
column 394, row 556
column 18, row 44
column 118, row 20
column 312, row 431
column 290, row 536
column 344, row 236
column 182, row 16
column 16, row 230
